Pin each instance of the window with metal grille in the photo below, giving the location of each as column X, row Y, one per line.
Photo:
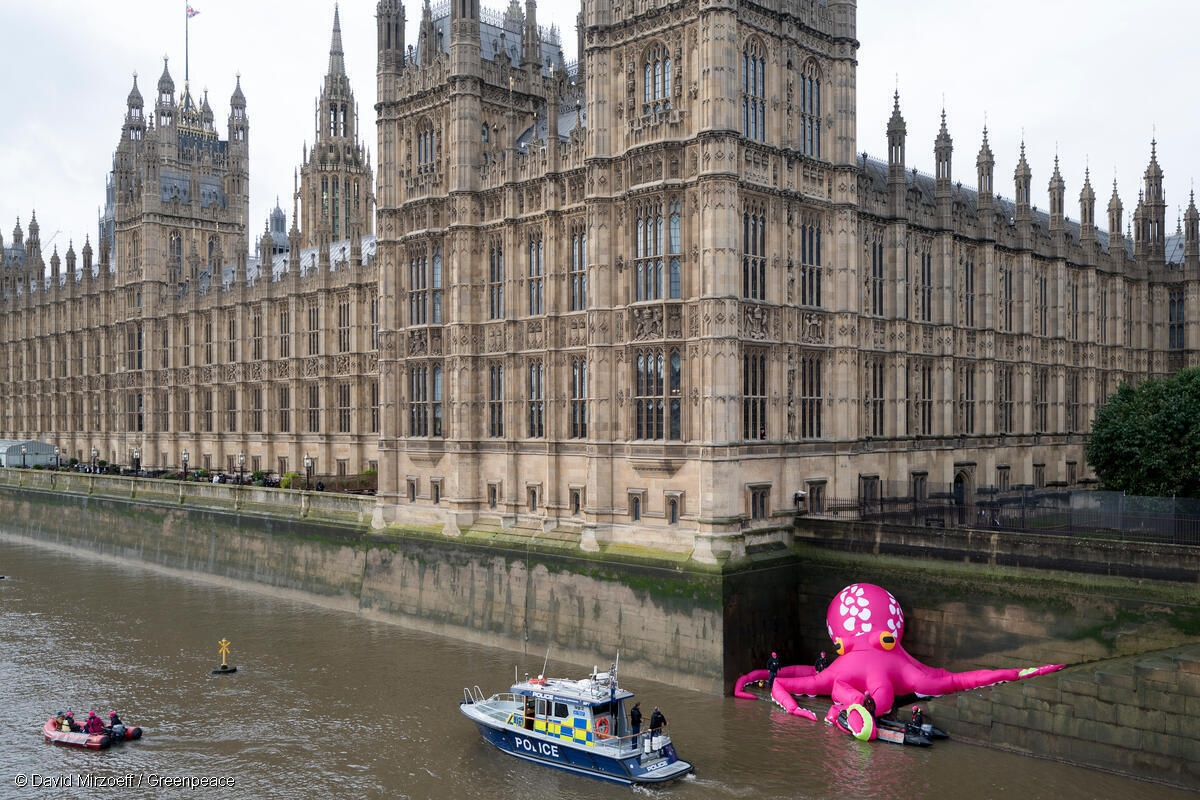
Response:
column 754, row 256
column 754, row 395
column 811, row 399
column 578, row 266
column 536, row 402
column 496, row 279
column 579, row 409
column 536, row 278
column 496, row 401
column 810, row 260
column 343, row 402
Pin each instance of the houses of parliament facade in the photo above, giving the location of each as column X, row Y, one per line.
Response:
column 644, row 298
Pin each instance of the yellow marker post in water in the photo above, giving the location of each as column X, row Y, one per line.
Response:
column 225, row 668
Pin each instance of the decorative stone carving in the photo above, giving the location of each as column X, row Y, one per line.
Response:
column 813, row 331
column 646, row 323
column 418, row 343
column 754, row 323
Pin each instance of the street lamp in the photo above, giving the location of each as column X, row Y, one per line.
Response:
column 95, row 455
column 137, row 461
column 56, row 452
column 22, row 456
column 184, row 458
column 241, row 465
column 308, row 462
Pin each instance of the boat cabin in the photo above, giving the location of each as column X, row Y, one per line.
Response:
column 585, row 712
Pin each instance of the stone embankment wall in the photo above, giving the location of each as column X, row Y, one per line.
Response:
column 665, row 618
column 1138, row 715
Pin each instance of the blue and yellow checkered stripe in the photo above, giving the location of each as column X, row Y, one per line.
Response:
column 575, row 730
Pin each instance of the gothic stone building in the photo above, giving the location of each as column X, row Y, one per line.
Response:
column 649, row 298
column 641, row 299
column 178, row 338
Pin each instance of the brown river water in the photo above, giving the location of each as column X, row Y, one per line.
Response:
column 328, row 704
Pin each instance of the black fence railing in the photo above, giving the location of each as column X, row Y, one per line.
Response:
column 1055, row 511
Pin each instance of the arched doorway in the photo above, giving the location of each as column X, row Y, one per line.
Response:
column 963, row 494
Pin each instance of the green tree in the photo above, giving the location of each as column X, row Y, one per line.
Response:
column 1146, row 440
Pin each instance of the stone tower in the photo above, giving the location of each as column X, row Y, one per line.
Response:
column 335, row 179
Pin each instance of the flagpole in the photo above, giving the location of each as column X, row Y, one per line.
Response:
column 187, row 20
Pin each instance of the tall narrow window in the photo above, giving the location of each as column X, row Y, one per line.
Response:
column 496, row 279
column 922, row 393
column 648, row 248
column 343, row 410
column 810, row 260
column 810, row 111
column 656, row 74
column 418, row 288
column 579, row 416
column 175, row 257
column 754, row 395
column 968, row 279
column 374, row 391
column 1102, row 311
column 536, row 278
column 285, row 409
column 754, row 91
column 578, row 266
column 811, row 399
column 925, row 283
column 1006, row 295
column 208, row 340
column 674, row 252
column 435, row 403
column 231, row 407
column 314, row 328
column 1041, row 288
column 1073, row 307
column 1073, row 401
column 343, row 320
column 874, row 254
column 496, row 401
column 256, row 349
column 285, row 333
column 374, row 322
column 674, row 396
column 875, row 393
column 435, row 287
column 256, row 410
column 314, row 408
column 754, row 260
column 418, row 400
column 648, row 395
column 1041, row 399
column 536, row 401
column 1175, row 319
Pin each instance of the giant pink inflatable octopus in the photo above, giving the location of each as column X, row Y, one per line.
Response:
column 866, row 623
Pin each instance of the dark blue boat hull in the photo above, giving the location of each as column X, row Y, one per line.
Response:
column 582, row 761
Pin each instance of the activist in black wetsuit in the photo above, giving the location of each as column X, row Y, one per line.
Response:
column 918, row 721
column 772, row 668
column 822, row 662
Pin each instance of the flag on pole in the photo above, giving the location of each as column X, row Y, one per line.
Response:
column 191, row 12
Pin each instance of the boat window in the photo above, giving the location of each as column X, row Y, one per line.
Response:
column 560, row 710
column 601, row 709
column 541, row 708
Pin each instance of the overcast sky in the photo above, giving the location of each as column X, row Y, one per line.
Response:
column 1092, row 81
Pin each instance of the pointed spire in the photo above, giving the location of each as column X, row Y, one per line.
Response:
column 237, row 99
column 166, row 84
column 337, row 60
column 135, row 96
column 896, row 123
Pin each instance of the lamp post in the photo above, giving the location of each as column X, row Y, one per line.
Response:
column 241, row 465
column 95, row 455
column 56, row 452
column 308, row 464
column 22, row 456
column 137, row 461
column 184, row 458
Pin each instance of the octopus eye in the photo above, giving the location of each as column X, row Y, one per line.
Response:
column 841, row 647
column 887, row 640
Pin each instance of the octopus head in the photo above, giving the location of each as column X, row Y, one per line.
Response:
column 864, row 615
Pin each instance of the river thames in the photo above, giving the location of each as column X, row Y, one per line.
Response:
column 326, row 703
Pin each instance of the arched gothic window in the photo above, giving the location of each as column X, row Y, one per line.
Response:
column 754, row 91
column 754, row 255
column 656, row 94
column 810, row 111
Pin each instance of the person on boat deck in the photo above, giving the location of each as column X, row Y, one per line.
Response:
column 635, row 722
column 94, row 724
column 113, row 719
column 772, row 668
column 71, row 725
column 657, row 722
column 59, row 719
column 821, row 663
column 918, row 719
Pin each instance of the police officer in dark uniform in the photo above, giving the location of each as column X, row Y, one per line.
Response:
column 657, row 722
column 772, row 668
column 635, row 722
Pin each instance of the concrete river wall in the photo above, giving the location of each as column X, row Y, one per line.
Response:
column 693, row 625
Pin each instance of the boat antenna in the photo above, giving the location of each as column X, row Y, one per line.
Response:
column 515, row 680
column 544, row 663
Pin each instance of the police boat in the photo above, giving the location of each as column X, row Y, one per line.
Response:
column 580, row 726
